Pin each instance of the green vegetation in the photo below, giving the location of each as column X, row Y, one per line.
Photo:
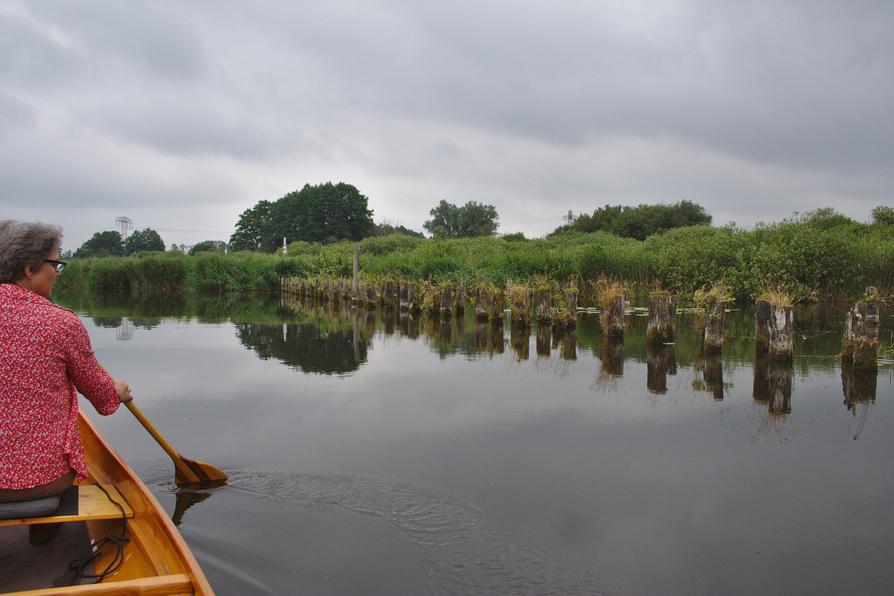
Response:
column 639, row 222
column 110, row 244
column 820, row 254
column 471, row 220
column 322, row 213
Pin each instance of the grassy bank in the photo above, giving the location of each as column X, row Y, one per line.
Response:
column 821, row 256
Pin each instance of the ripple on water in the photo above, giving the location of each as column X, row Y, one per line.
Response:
column 460, row 550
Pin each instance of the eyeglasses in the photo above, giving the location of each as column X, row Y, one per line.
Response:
column 57, row 265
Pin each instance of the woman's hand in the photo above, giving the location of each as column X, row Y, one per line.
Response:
column 123, row 391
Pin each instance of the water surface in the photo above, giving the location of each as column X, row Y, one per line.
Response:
column 381, row 454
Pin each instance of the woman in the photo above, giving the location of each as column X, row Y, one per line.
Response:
column 45, row 359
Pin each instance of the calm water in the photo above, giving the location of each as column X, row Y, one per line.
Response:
column 385, row 455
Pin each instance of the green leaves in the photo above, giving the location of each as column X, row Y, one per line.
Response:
column 471, row 220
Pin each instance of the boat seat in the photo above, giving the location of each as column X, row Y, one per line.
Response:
column 35, row 508
column 79, row 503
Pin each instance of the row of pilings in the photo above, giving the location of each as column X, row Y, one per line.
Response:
column 547, row 303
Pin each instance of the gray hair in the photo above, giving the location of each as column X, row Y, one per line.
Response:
column 23, row 244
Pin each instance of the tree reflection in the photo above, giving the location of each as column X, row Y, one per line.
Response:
column 308, row 347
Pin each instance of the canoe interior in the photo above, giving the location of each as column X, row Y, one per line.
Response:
column 156, row 558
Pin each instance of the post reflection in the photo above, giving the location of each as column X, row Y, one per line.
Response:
column 497, row 339
column 760, row 390
column 779, row 377
column 710, row 367
column 611, row 354
column 544, row 338
column 859, row 389
column 568, row 344
column 520, row 339
column 661, row 360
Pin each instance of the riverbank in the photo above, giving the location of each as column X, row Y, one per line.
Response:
column 814, row 259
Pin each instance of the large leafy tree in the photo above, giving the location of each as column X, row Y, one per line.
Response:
column 208, row 246
column 322, row 213
column 254, row 228
column 641, row 221
column 472, row 219
column 142, row 241
column 102, row 244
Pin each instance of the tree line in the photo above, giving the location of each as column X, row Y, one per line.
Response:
column 328, row 213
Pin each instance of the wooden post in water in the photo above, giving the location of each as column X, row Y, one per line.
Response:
column 497, row 302
column 446, row 301
column 542, row 305
column 403, row 292
column 780, row 332
column 715, row 314
column 355, row 282
column 613, row 318
column 662, row 318
column 859, row 346
column 483, row 299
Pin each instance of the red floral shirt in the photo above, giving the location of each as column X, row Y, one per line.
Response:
column 45, row 354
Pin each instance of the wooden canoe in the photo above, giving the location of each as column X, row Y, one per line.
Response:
column 156, row 558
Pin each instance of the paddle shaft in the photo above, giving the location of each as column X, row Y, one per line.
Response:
column 181, row 466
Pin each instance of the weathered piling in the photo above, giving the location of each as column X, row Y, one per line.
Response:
column 459, row 300
column 542, row 306
column 715, row 315
column 388, row 293
column 483, row 299
column 431, row 300
column 860, row 343
column 611, row 294
column 662, row 318
column 781, row 333
column 779, row 377
column 519, row 305
column 447, row 296
column 403, row 296
column 498, row 302
column 565, row 316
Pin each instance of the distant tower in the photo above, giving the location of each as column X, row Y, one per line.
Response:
column 124, row 225
column 569, row 218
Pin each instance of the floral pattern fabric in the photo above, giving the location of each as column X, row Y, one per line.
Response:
column 45, row 360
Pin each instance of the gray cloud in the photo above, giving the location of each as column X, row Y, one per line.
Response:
column 752, row 109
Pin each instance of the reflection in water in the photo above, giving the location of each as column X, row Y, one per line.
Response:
column 711, row 369
column 612, row 356
column 761, row 388
column 307, row 347
column 780, row 385
column 544, row 338
column 568, row 343
column 859, row 389
column 661, row 360
column 520, row 338
column 497, row 337
column 409, row 326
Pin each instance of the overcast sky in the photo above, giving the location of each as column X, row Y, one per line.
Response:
column 181, row 115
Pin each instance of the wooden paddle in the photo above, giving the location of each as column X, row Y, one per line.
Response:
column 187, row 471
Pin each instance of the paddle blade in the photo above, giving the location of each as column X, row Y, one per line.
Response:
column 199, row 472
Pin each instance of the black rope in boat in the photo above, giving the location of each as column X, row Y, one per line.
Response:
column 80, row 565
